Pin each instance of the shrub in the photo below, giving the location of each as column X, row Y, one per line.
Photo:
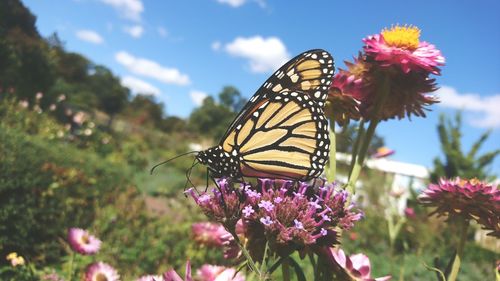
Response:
column 46, row 187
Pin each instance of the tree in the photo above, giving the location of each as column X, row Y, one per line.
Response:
column 145, row 110
column 24, row 59
column 111, row 95
column 211, row 119
column 458, row 163
column 231, row 98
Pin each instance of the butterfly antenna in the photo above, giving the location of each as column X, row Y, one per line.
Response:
column 166, row 161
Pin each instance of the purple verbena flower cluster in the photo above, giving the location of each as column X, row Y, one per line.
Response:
column 287, row 215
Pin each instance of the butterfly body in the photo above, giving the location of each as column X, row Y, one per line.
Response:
column 282, row 131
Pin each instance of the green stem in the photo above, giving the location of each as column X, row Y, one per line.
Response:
column 70, row 271
column 357, row 143
column 249, row 259
column 382, row 94
column 332, row 171
column 460, row 250
column 285, row 269
column 314, row 265
column 358, row 165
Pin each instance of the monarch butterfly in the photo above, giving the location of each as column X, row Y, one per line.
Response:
column 282, row 131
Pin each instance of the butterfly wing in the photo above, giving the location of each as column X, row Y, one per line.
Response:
column 286, row 137
column 310, row 72
column 282, row 131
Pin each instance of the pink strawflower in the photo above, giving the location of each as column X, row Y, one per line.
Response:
column 348, row 84
column 231, row 248
column 171, row 275
column 100, row 271
column 409, row 212
column 383, row 152
column 209, row 234
column 400, row 47
column 469, row 199
column 218, row 273
column 151, row 278
column 82, row 242
column 357, row 266
column 398, row 57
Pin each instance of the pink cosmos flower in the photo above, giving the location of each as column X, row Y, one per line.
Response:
column 101, row 271
column 82, row 242
column 400, row 46
column 357, row 266
column 469, row 199
column 209, row 234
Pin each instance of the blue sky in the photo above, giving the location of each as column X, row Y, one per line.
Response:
column 183, row 50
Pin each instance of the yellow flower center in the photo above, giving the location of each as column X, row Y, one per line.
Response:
column 406, row 37
column 85, row 239
column 101, row 277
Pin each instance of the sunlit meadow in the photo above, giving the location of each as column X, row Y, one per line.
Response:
column 80, row 201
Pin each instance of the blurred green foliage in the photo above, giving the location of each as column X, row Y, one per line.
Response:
column 458, row 163
column 47, row 184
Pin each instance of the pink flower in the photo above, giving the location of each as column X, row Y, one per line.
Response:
column 82, row 242
column 101, row 271
column 383, row 152
column 357, row 266
column 171, row 275
column 209, row 234
column 391, row 77
column 410, row 213
column 302, row 215
column 469, row 199
column 218, row 273
column 150, row 278
column 222, row 204
column 400, row 46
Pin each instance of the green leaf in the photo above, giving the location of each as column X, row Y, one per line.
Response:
column 298, row 270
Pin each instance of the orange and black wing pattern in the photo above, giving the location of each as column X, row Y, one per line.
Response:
column 282, row 131
column 285, row 137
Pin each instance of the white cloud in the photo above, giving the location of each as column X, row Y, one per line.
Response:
column 129, row 9
column 152, row 69
column 138, row 86
column 239, row 3
column 216, row 45
column 197, row 97
column 134, row 31
column 232, row 3
column 488, row 108
column 264, row 54
column 162, row 31
column 89, row 36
